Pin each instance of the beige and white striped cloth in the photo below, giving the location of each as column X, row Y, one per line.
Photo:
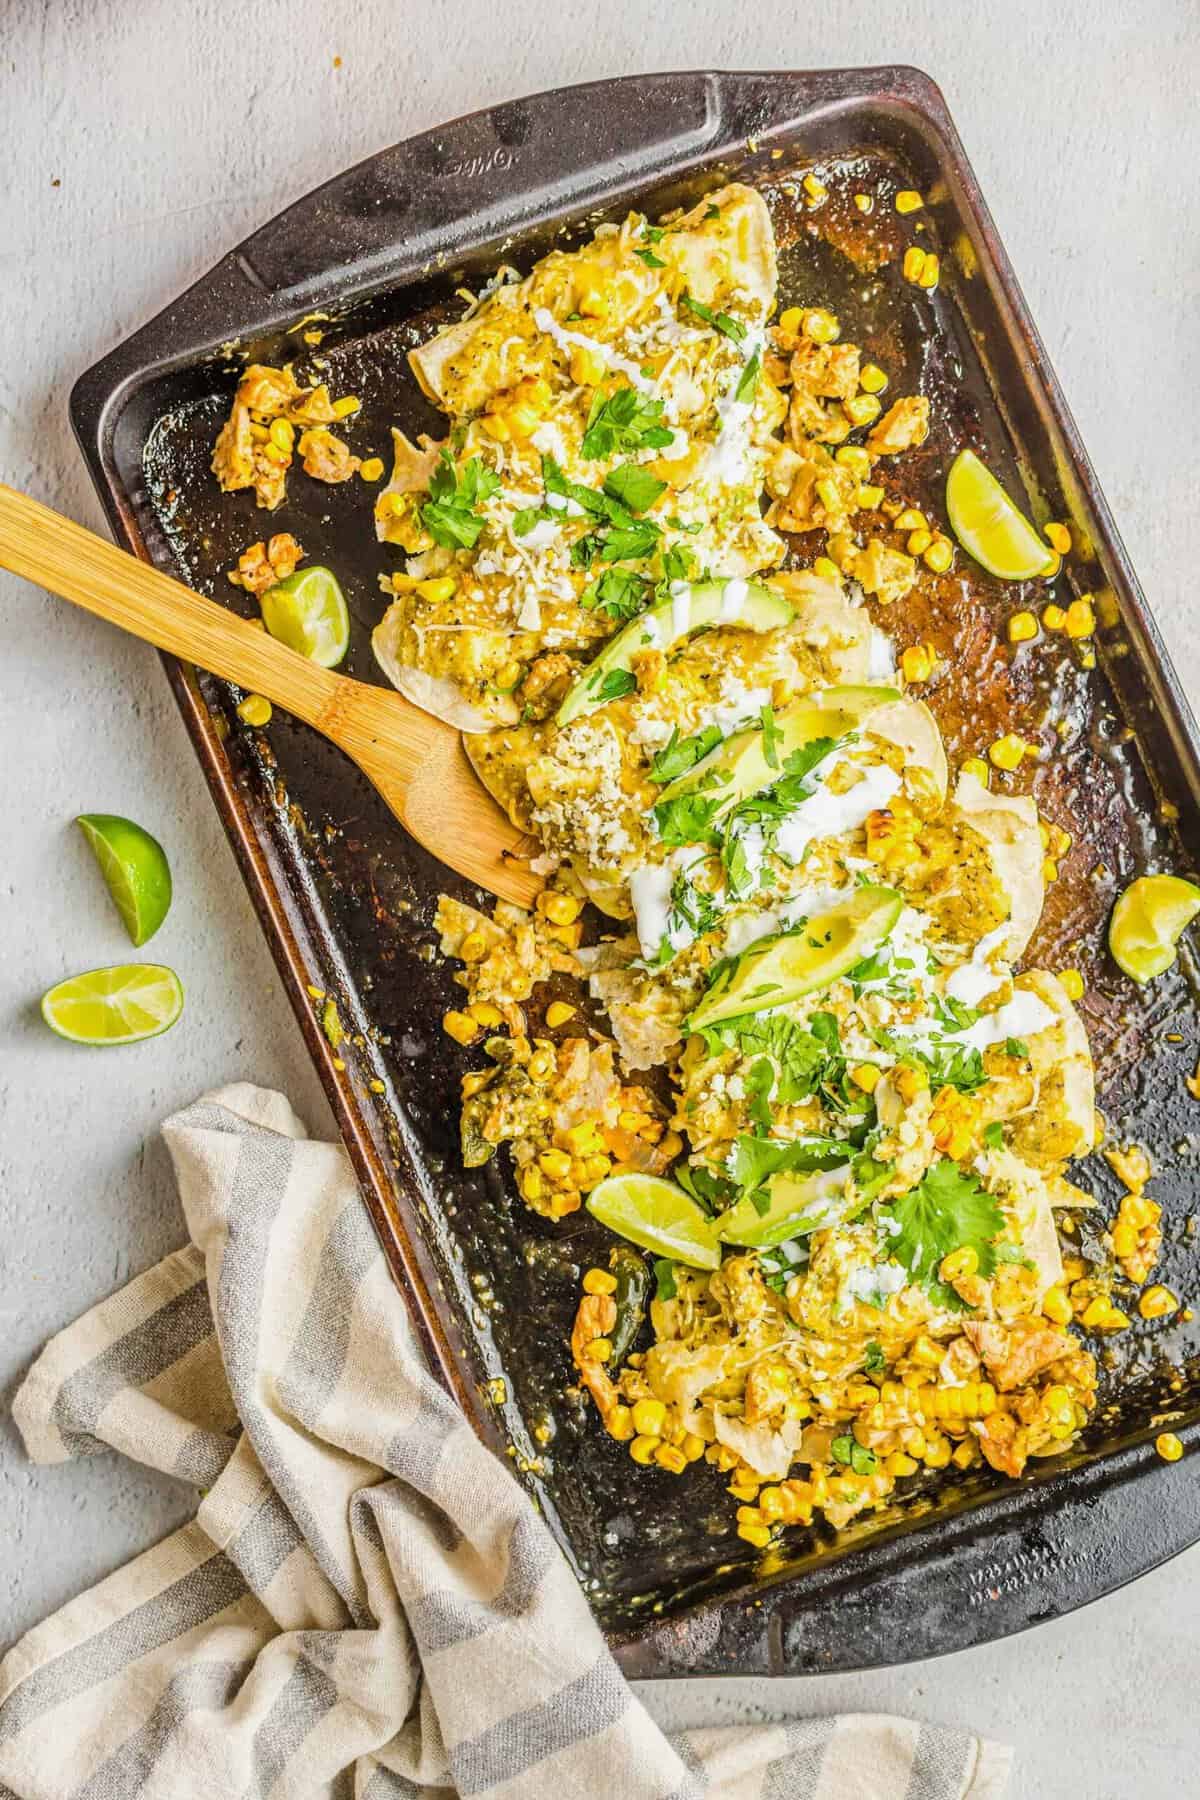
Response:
column 366, row 1604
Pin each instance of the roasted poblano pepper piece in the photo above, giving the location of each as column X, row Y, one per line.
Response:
column 629, row 1296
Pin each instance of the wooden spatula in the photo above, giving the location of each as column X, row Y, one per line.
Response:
column 416, row 761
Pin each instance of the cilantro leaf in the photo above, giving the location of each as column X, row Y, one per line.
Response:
column 618, row 592
column 449, row 515
column 874, row 1363
column 524, row 521
column 720, row 321
column 760, row 1084
column 664, row 1275
column 771, row 735
column 616, row 684
column 993, row 1135
column 682, row 754
column 687, row 819
column 755, row 1159
column 626, row 420
column 1016, row 1047
column 708, row 1189
column 748, row 381
column 633, row 487
column 691, row 906
column 948, row 1209
column 651, row 261
column 678, row 563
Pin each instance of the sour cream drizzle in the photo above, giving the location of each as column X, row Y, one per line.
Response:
column 545, row 321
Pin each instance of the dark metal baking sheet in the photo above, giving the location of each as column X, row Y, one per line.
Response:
column 346, row 900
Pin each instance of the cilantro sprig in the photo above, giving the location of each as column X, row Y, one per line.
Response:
column 451, row 515
column 949, row 1209
column 723, row 322
column 624, row 421
column 683, row 753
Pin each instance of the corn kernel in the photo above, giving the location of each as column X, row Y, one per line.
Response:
column 872, row 378
column 899, row 1465
column 1081, row 618
column 1072, row 983
column 599, row 1281
column 667, row 1456
column 940, row 555
column 916, row 663
column 437, row 588
column 869, row 496
column 862, row 409
column 692, row 1446
column 827, row 493
column 371, row 469
column 619, row 1423
column 1157, row 1302
column 964, row 1261
column 937, row 1455
column 560, row 909
column 965, row 1454
column 541, row 1065
column 1102, row 1315
column 460, row 1026
column 1053, row 617
column 854, row 458
column 595, row 1168
column 913, row 264
column 1058, row 537
column 743, row 1490
column 908, row 201
column 587, row 366
column 473, row 947
column 600, row 1349
column 1056, row 1305
column 555, row 1163
column 282, row 433
column 1168, row 1446
column 918, row 542
column 343, row 408
column 558, row 1012
column 823, row 566
column 474, row 1083
column 821, row 326
column 758, row 1535
column 864, row 202
column 642, row 1449
column 508, row 675
column 911, row 519
column 255, row 709
column 1007, row 751
column 815, row 189
column 649, row 1417
column 926, row 1352
column 496, row 427
column 1049, row 869
column 1022, row 627
column 975, row 765
column 531, row 1184
column 789, row 320
column 1124, row 1238
column 866, row 1077
column 931, row 270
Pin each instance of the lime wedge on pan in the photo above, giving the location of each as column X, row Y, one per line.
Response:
column 123, row 1005
column 134, row 867
column 1147, row 922
column 991, row 527
column 307, row 612
column 658, row 1216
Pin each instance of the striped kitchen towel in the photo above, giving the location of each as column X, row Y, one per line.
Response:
column 366, row 1603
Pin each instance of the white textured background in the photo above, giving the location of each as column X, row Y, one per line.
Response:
column 140, row 139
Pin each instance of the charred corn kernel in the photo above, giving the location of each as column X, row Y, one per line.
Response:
column 642, row 1448
column 1081, row 618
column 649, row 1417
column 940, row 555
column 916, row 663
column 827, row 493
column 975, row 765
column 474, row 1083
column 862, row 409
column 437, row 588
column 508, row 675
column 815, row 189
column 1053, row 617
column 913, row 1440
column 555, row 1163
column 558, row 1012
column 866, row 1077
column 541, row 1065
column 667, row 1456
column 918, row 541
column 869, row 496
column 937, row 1455
column 692, row 1446
column 600, row 1349
column 1007, row 751
column 473, row 948
column 560, row 909
column 1056, row 1305
column 909, row 1080
column 771, row 1503
column 1072, row 983
column 1022, row 627
column 911, row 519
column 908, row 201
column 587, row 366
column 965, row 1454
column 721, row 1457
column 914, row 262
column 582, row 1138
column 872, row 379
column 599, row 1281
column 1157, row 1302
column 484, row 1013
column 854, row 458
column 255, row 709
column 630, row 1121
column 823, row 566
column 819, row 325
column 282, row 433
column 925, row 1352
column 343, row 408
column 743, row 1490
column 460, row 1026
column 650, row 1130
column 964, row 1261
column 749, row 1515
column 931, row 270
column 899, row 1465
column 619, row 1423
column 758, row 1535
column 1168, row 1446
column 595, row 1168
column 371, row 469
column 592, row 300
column 531, row 1184
column 1058, row 537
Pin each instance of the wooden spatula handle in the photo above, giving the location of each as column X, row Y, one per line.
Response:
column 75, row 564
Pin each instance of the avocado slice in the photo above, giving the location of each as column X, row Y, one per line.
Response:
column 798, row 1204
column 738, row 768
column 791, row 964
column 689, row 607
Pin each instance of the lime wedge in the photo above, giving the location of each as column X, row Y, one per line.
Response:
column 990, row 527
column 656, row 1215
column 134, row 866
column 115, row 1006
column 1147, row 922
column 307, row 612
